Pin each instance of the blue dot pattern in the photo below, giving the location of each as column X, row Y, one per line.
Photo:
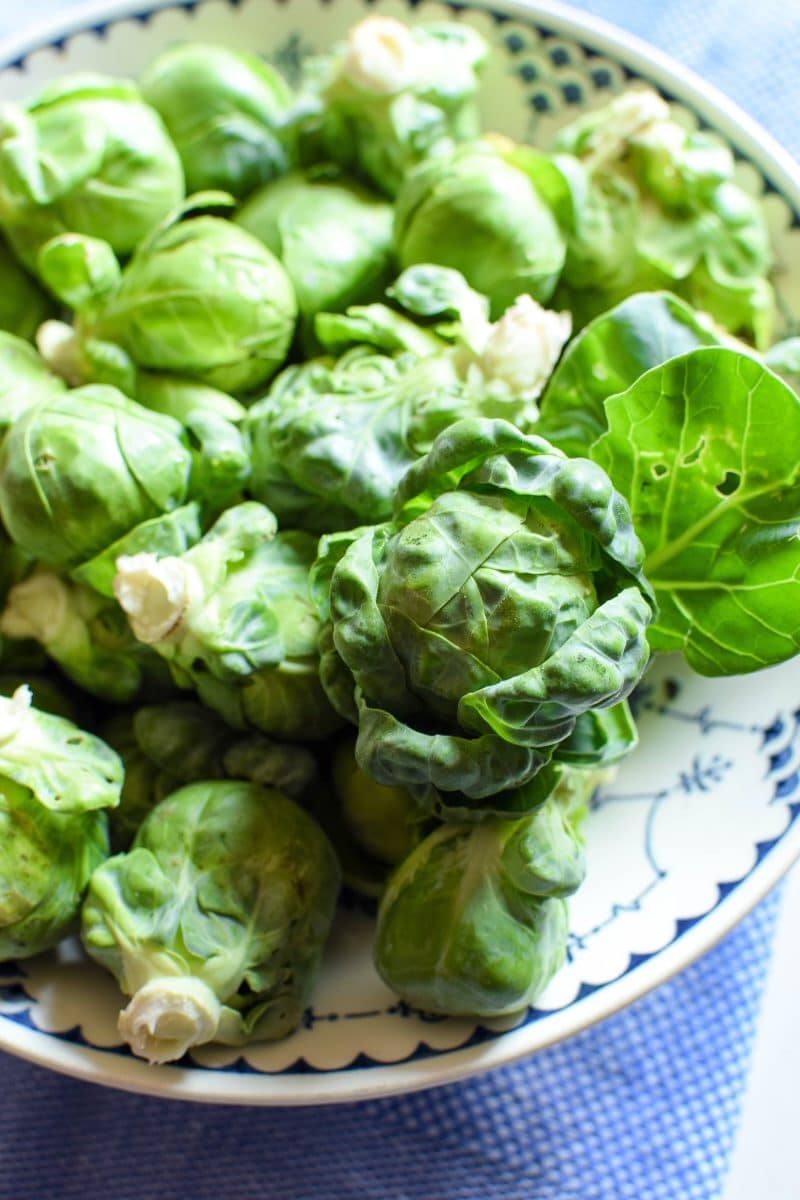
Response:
column 642, row 1107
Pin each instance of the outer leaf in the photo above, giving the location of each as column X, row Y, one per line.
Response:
column 707, row 450
column 493, row 456
column 46, row 859
column 610, row 354
column 169, row 534
column 397, row 754
column 67, row 770
column 597, row 667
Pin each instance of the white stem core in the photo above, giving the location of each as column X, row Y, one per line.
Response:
column 36, row 608
column 520, row 350
column 14, row 713
column 168, row 1016
column 154, row 593
column 381, row 56
column 59, row 346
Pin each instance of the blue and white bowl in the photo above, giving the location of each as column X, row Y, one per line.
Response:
column 698, row 824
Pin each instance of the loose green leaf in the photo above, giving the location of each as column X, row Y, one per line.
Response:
column 707, row 450
column 610, row 354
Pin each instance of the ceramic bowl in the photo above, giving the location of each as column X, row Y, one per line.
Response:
column 702, row 819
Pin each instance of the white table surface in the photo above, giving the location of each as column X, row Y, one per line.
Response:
column 766, row 1159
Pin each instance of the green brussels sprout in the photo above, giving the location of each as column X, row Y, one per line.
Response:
column 653, row 206
column 55, row 783
column 233, row 618
column 474, row 921
column 78, row 269
column 211, row 419
column 225, row 112
column 23, row 304
column 214, row 922
column 391, row 96
column 86, row 154
column 480, row 214
column 24, row 379
column 143, row 786
column 200, row 298
column 383, row 821
column 503, row 603
column 333, row 237
column 179, row 398
column 80, row 469
column 166, row 745
column 87, row 635
column 332, row 440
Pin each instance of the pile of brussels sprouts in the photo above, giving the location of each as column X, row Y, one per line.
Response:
column 353, row 463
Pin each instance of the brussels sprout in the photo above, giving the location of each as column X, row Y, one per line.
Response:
column 166, row 745
column 654, row 206
column 214, row 922
column 200, row 298
column 211, row 419
column 80, row 469
column 143, row 786
column 503, row 602
column 23, row 304
column 87, row 635
column 384, row 821
column 85, row 155
column 226, row 113
column 55, row 782
column 474, row 921
column 233, row 618
column 24, row 379
column 476, row 212
column 180, row 398
column 15, row 564
column 391, row 96
column 78, row 269
column 333, row 237
column 332, row 440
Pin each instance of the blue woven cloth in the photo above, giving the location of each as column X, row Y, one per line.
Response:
column 643, row 1107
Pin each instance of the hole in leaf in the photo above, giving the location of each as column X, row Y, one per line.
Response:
column 659, row 470
column 729, row 484
column 691, row 458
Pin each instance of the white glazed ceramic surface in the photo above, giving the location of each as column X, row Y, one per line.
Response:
column 699, row 823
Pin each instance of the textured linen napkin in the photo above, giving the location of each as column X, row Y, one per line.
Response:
column 642, row 1107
